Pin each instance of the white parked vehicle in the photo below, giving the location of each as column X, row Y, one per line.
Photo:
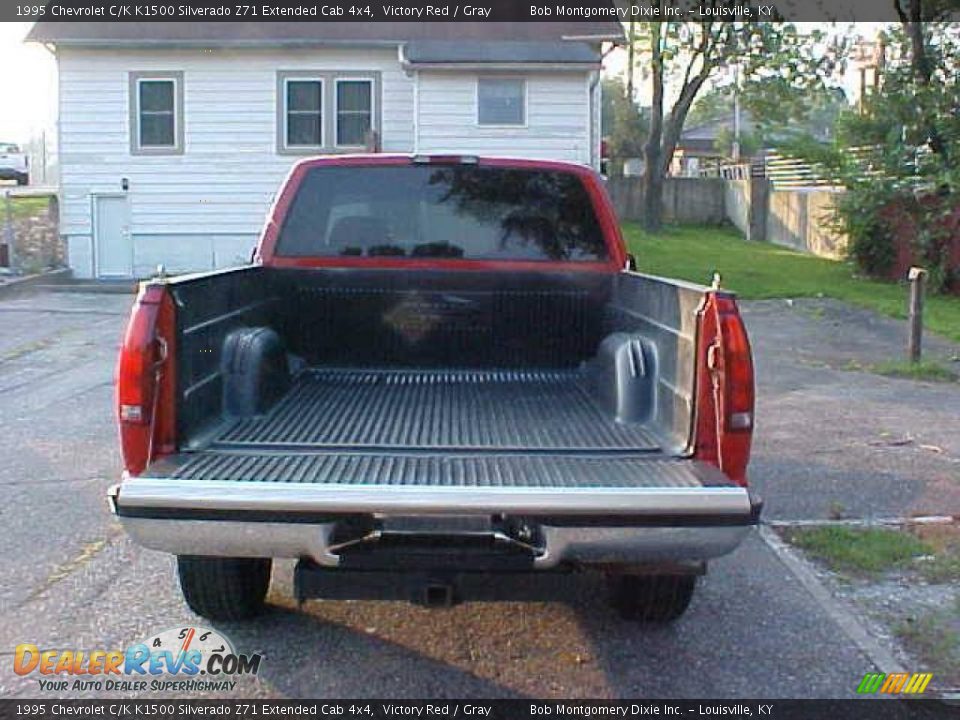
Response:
column 14, row 164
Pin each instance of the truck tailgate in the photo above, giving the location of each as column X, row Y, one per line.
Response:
column 583, row 508
column 211, row 483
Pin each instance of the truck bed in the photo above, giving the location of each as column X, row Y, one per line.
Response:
column 587, row 414
column 450, row 410
column 456, row 428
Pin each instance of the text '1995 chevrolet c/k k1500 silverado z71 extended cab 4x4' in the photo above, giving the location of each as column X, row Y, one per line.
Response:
column 438, row 372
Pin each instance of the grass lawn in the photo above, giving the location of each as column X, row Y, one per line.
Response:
column 763, row 270
column 923, row 370
column 24, row 206
column 860, row 551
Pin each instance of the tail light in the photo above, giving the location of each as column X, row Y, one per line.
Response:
column 725, row 388
column 145, row 381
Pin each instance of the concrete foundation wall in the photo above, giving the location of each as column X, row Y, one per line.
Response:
column 799, row 219
column 685, row 200
column 802, row 220
column 736, row 203
column 37, row 244
column 177, row 253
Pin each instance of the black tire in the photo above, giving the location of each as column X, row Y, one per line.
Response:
column 23, row 179
column 651, row 598
column 224, row 588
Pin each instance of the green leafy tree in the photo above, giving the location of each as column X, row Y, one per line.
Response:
column 775, row 112
column 751, row 143
column 900, row 154
column 624, row 125
column 690, row 54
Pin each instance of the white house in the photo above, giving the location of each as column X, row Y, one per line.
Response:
column 174, row 136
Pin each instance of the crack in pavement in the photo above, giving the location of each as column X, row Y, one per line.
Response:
column 27, row 348
column 88, row 552
column 64, row 311
column 50, row 481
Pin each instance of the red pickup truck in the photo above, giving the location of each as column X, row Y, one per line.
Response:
column 437, row 373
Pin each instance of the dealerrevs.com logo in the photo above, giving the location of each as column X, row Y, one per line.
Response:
column 187, row 659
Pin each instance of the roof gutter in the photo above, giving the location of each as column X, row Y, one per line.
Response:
column 531, row 66
column 214, row 43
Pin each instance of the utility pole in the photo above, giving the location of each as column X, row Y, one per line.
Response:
column 630, row 61
column 43, row 156
column 735, row 150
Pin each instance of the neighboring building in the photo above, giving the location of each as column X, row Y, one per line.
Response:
column 697, row 150
column 174, row 136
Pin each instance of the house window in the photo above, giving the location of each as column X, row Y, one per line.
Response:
column 501, row 101
column 354, row 112
column 303, row 100
column 156, row 113
column 325, row 111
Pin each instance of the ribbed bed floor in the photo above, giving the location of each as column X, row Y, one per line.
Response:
column 503, row 471
column 510, row 410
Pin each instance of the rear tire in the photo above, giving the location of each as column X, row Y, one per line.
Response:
column 651, row 598
column 224, row 589
column 23, row 179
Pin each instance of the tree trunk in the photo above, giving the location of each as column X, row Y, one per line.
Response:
column 678, row 115
column 652, row 157
column 913, row 24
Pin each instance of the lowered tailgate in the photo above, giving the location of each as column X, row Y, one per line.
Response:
column 212, row 485
column 553, row 509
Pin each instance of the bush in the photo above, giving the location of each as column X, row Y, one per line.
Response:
column 873, row 249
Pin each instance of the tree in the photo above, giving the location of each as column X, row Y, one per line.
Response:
column 691, row 54
column 775, row 114
column 622, row 122
column 899, row 156
column 931, row 64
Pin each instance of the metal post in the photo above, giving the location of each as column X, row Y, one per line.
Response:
column 43, row 157
column 8, row 228
column 917, row 278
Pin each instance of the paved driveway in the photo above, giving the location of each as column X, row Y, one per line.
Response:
column 75, row 581
column 831, row 440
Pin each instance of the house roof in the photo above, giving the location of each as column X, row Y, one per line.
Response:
column 711, row 130
column 450, row 52
column 205, row 34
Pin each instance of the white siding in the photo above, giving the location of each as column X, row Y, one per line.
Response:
column 204, row 208
column 557, row 119
column 214, row 196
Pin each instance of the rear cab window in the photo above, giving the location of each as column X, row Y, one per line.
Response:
column 442, row 211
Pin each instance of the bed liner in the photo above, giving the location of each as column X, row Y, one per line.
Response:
column 449, row 410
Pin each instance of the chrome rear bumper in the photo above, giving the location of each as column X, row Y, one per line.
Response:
column 575, row 525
